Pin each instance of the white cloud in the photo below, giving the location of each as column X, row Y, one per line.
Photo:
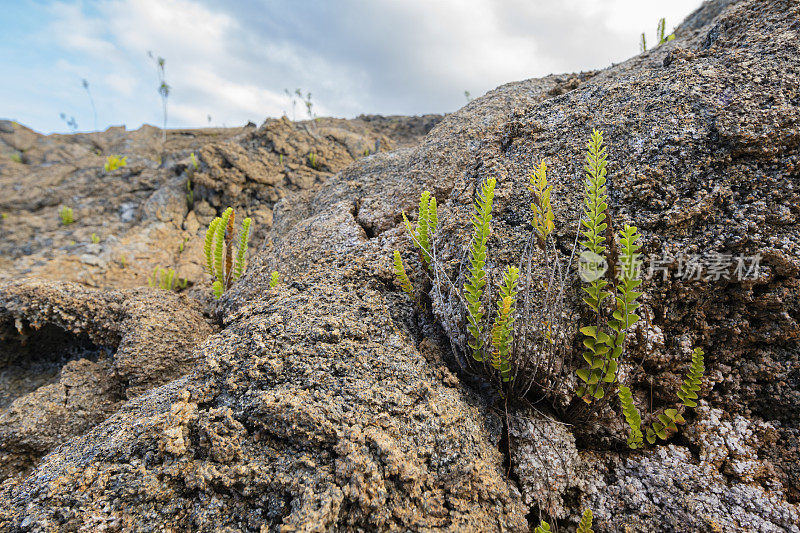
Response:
column 233, row 60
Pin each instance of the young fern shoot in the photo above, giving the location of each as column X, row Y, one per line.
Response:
column 400, row 272
column 427, row 220
column 219, row 251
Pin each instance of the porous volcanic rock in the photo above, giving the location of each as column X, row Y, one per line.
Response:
column 333, row 401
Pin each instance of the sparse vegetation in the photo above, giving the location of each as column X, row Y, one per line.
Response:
column 163, row 90
column 660, row 35
column 529, row 342
column 401, row 274
column 220, row 249
column 274, row 279
column 16, row 157
column 69, row 121
column 166, row 279
column 113, row 162
column 66, row 216
column 312, row 160
column 95, row 239
column 85, row 84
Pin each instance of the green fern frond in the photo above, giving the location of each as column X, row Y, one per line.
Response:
column 476, row 279
column 542, row 209
column 601, row 352
column 632, row 417
column 585, row 525
column 219, row 272
column 427, row 221
column 217, row 288
column 543, row 527
column 666, row 426
column 433, row 219
column 241, row 250
column 400, row 272
column 502, row 330
column 66, row 215
column 273, row 279
column 643, row 43
column 691, row 385
column 661, row 30
column 208, row 245
column 226, row 264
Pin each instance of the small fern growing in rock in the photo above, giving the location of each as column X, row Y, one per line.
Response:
column 166, row 279
column 219, row 251
column 66, row 215
column 273, row 279
column 113, row 162
column 400, row 272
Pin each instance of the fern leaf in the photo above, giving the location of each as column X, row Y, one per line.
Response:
column 476, row 279
column 691, row 385
column 241, row 250
column 228, row 280
column 632, row 417
column 585, row 525
column 541, row 206
column 273, row 279
column 400, row 272
column 219, row 240
column 502, row 331
column 208, row 245
column 433, row 218
column 217, row 288
column 543, row 527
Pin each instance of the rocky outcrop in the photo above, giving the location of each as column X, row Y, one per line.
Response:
column 73, row 355
column 332, row 402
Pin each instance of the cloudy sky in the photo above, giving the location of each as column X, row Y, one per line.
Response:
column 232, row 60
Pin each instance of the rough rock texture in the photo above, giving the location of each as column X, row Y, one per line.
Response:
column 326, row 403
column 71, row 356
column 139, row 213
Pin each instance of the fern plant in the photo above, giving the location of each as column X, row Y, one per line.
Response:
column 543, row 527
column 632, row 417
column 402, row 276
column 166, row 279
column 66, row 215
column 113, row 162
column 273, row 279
column 502, row 331
column 476, row 280
column 425, row 231
column 220, row 247
column 691, row 385
column 543, row 219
